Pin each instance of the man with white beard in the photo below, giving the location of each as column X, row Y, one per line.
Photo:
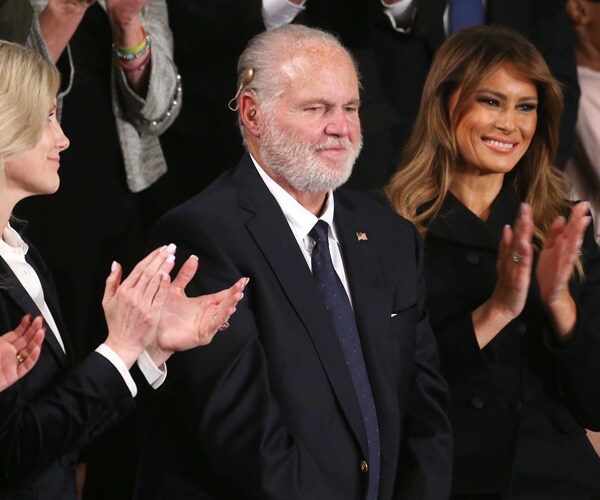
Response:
column 326, row 384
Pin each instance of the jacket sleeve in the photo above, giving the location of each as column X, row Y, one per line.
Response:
column 154, row 113
column 39, row 422
column 578, row 365
column 425, row 466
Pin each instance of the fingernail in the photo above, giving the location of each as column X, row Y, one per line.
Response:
column 171, row 259
column 171, row 247
column 113, row 266
column 195, row 257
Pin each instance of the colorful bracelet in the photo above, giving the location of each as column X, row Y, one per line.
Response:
column 135, row 52
column 139, row 67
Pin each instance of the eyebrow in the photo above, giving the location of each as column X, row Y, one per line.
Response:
column 503, row 96
column 326, row 102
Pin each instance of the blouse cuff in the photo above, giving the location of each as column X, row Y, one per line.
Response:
column 277, row 13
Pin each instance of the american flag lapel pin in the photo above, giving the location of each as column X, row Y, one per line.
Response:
column 360, row 236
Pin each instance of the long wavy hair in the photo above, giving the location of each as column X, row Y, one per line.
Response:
column 422, row 181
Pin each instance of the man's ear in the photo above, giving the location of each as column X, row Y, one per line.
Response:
column 249, row 114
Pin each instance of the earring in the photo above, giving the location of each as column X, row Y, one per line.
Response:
column 245, row 79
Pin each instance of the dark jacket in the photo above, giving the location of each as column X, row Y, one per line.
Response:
column 268, row 409
column 519, row 406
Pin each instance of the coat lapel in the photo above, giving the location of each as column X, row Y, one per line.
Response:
column 457, row 223
column 16, row 291
column 272, row 234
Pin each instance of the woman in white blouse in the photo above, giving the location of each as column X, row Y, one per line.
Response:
column 52, row 411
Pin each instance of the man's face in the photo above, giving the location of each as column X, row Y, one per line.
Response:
column 312, row 137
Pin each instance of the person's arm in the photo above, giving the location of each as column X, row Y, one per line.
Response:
column 45, row 416
column 277, row 13
column 401, row 13
column 513, row 270
column 58, row 21
column 19, row 350
column 152, row 110
column 425, row 465
column 577, row 360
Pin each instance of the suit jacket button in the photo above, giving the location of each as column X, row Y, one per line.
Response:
column 515, row 405
column 473, row 258
column 364, row 466
column 477, row 403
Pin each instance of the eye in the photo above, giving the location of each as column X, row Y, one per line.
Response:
column 489, row 101
column 314, row 109
column 351, row 109
column 527, row 106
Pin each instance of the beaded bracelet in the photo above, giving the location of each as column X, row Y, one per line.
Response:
column 139, row 67
column 135, row 52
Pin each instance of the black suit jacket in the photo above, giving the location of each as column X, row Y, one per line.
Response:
column 405, row 59
column 48, row 415
column 519, row 406
column 268, row 409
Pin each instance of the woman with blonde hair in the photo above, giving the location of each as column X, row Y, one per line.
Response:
column 514, row 308
column 56, row 408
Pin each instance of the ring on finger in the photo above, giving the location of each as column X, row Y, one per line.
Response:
column 224, row 326
column 517, row 258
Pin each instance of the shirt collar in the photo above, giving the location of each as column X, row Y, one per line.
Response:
column 300, row 220
column 11, row 241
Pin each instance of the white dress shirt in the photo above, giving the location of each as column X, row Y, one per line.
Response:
column 13, row 250
column 301, row 221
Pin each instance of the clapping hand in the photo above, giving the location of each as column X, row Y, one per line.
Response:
column 188, row 322
column 133, row 308
column 513, row 267
column 555, row 267
column 513, row 270
column 20, row 349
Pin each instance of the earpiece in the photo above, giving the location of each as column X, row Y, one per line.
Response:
column 246, row 77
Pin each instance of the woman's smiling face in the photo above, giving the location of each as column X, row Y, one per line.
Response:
column 497, row 123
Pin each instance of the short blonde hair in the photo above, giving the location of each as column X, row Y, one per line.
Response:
column 28, row 84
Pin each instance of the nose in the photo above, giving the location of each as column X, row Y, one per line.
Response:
column 62, row 141
column 338, row 124
column 506, row 120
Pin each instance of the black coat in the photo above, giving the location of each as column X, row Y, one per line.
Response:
column 268, row 410
column 519, row 406
column 48, row 415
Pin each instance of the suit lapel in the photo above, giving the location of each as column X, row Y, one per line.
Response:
column 16, row 291
column 272, row 234
column 371, row 303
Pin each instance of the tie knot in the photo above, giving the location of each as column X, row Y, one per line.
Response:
column 319, row 232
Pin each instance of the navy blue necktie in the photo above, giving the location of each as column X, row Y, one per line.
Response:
column 344, row 323
column 465, row 13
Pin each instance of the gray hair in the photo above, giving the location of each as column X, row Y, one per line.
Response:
column 266, row 54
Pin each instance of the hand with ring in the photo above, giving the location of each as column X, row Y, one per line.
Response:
column 20, row 349
column 188, row 322
column 513, row 270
